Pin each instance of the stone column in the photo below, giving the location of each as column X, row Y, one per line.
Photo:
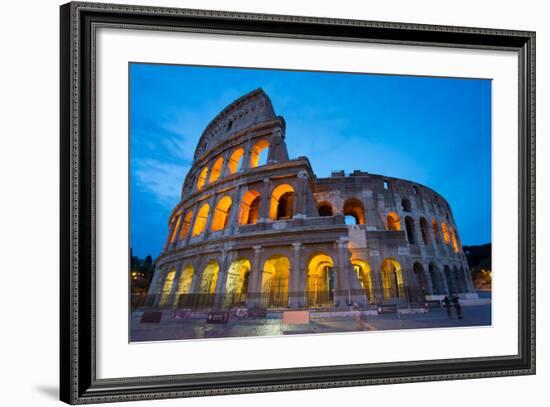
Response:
column 253, row 297
column 212, row 202
column 246, row 156
column 222, row 279
column 343, row 295
column 375, row 271
column 435, row 242
column 178, row 230
column 225, row 167
column 265, row 199
column 233, row 223
column 297, row 298
column 197, row 277
column 428, row 278
column 173, row 297
column 192, row 223
column 443, row 277
column 300, row 202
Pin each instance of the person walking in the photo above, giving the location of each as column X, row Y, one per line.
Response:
column 458, row 307
column 447, row 303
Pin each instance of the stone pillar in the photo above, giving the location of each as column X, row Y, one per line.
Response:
column 212, row 203
column 342, row 295
column 443, row 277
column 428, row 278
column 197, row 277
column 173, row 297
column 376, row 270
column 192, row 223
column 277, row 148
column 225, row 166
column 253, row 297
column 300, row 201
column 265, row 199
column 178, row 230
column 435, row 242
column 222, row 279
column 297, row 296
column 233, row 223
column 246, row 155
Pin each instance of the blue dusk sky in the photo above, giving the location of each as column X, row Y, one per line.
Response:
column 434, row 131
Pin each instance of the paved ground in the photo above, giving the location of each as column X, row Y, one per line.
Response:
column 477, row 315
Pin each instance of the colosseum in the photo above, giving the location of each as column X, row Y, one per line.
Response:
column 256, row 229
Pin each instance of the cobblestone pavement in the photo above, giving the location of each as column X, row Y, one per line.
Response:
column 175, row 329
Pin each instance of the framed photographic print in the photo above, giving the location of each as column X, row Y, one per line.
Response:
column 257, row 203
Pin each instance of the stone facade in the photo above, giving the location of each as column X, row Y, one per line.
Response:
column 270, row 234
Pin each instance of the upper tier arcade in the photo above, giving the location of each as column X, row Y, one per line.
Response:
column 247, row 111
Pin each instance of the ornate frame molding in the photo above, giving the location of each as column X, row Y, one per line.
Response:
column 79, row 21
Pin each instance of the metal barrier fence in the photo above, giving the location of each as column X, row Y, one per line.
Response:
column 404, row 296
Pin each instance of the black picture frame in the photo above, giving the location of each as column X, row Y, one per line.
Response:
column 78, row 382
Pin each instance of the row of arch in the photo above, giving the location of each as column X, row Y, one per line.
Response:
column 281, row 207
column 320, row 283
column 257, row 157
column 428, row 234
column 354, row 213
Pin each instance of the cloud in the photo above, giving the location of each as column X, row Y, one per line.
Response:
column 162, row 180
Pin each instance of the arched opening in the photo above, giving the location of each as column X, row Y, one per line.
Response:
column 235, row 160
column 221, row 214
column 175, row 230
column 406, row 204
column 249, row 209
column 167, row 287
column 209, row 278
column 258, row 153
column 453, row 240
column 392, row 280
column 418, row 270
column 445, row 231
column 437, row 280
column 236, row 286
column 320, row 281
column 363, row 271
column 275, row 276
column 216, row 169
column 202, row 178
column 409, row 225
column 354, row 208
column 451, row 281
column 435, row 228
column 200, row 221
column 186, row 224
column 325, row 209
column 184, row 286
column 282, row 202
column 207, row 288
column 394, row 223
column 425, row 230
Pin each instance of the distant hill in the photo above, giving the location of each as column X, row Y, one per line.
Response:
column 479, row 257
